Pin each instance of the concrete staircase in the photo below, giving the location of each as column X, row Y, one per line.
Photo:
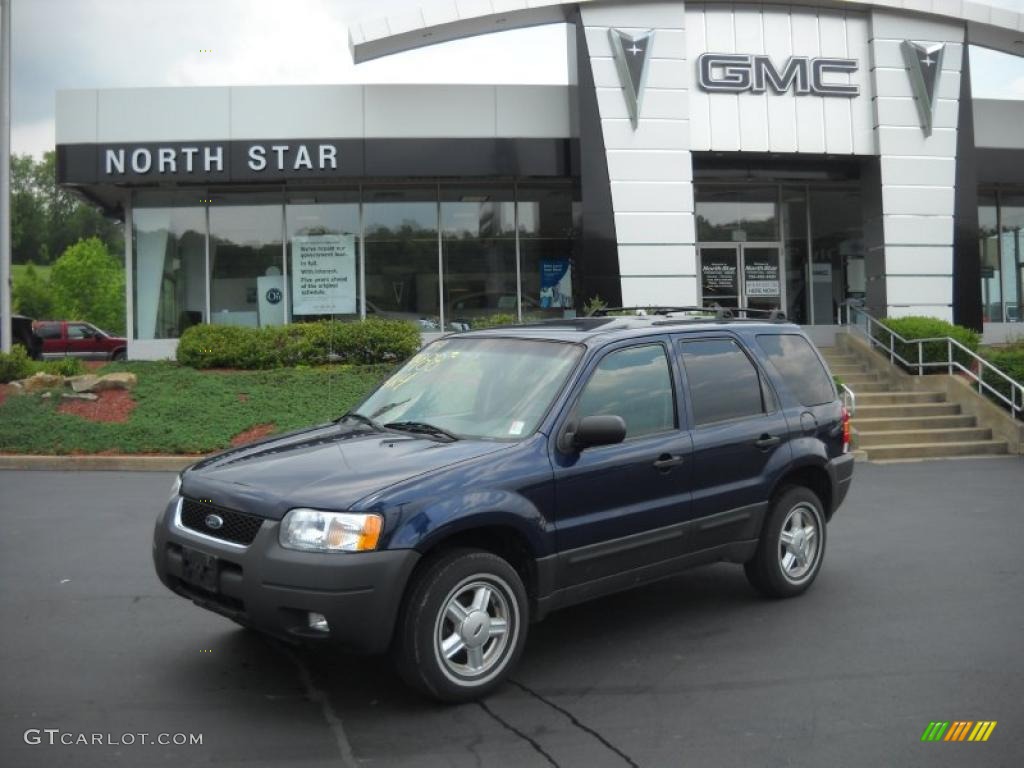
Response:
column 891, row 423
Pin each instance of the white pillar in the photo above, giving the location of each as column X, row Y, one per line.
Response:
column 5, row 175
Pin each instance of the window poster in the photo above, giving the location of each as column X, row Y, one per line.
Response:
column 555, row 284
column 761, row 275
column 323, row 275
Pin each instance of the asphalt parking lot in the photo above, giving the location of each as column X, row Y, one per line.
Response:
column 917, row 616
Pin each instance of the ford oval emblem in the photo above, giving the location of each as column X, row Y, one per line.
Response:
column 214, row 522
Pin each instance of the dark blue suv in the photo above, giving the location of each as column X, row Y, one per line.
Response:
column 500, row 475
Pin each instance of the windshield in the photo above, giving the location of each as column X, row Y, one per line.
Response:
column 475, row 387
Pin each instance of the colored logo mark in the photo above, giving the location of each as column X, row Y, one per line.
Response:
column 958, row 730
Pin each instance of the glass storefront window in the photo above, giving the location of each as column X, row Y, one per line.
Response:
column 1001, row 250
column 478, row 243
column 548, row 228
column 402, row 269
column 988, row 249
column 169, row 270
column 1011, row 247
column 736, row 213
column 837, row 251
column 246, row 263
column 323, row 255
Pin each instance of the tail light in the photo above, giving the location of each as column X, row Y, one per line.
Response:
column 846, row 430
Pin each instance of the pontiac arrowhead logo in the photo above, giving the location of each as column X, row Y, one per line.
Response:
column 631, row 53
column 924, row 62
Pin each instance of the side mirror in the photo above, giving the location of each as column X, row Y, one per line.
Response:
column 593, row 431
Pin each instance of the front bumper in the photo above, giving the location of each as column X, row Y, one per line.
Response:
column 273, row 589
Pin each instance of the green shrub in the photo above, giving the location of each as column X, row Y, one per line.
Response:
column 360, row 343
column 31, row 293
column 916, row 327
column 1009, row 360
column 493, row 321
column 15, row 364
column 66, row 366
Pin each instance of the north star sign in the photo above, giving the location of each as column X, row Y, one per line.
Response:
column 741, row 72
column 210, row 159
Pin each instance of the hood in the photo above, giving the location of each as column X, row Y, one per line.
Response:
column 327, row 467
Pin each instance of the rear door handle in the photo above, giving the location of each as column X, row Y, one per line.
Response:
column 666, row 461
column 767, row 441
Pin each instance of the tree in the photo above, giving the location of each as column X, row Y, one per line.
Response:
column 32, row 294
column 46, row 219
column 88, row 284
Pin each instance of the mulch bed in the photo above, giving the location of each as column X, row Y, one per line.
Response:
column 114, row 405
column 4, row 390
column 252, row 434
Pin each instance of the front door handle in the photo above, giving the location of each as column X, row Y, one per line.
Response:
column 666, row 461
column 767, row 441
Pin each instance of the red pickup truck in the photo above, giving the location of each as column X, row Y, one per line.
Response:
column 69, row 338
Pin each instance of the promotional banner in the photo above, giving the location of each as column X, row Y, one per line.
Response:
column 555, row 284
column 323, row 275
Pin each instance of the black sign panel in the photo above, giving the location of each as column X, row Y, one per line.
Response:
column 761, row 273
column 275, row 160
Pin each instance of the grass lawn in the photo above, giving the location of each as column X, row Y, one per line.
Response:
column 181, row 410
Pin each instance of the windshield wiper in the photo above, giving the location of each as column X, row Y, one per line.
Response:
column 423, row 428
column 353, row 416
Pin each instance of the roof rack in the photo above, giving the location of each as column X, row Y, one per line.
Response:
column 721, row 313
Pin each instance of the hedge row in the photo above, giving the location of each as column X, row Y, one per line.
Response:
column 1010, row 360
column 915, row 327
column 18, row 365
column 360, row 343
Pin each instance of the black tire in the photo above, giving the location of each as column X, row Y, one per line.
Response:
column 425, row 622
column 118, row 356
column 767, row 571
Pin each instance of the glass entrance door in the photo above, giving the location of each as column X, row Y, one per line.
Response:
column 741, row 275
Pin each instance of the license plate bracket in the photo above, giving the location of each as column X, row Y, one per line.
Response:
column 200, row 569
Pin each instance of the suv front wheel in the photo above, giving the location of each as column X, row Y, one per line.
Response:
column 792, row 545
column 463, row 626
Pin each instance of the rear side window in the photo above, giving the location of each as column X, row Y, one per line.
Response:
column 723, row 383
column 799, row 366
column 48, row 331
column 635, row 384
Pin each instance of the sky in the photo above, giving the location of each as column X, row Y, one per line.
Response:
column 129, row 43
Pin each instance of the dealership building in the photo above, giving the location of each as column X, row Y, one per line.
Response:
column 805, row 156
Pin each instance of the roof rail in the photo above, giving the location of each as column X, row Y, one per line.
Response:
column 721, row 313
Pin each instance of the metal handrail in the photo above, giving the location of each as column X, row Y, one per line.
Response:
column 849, row 400
column 950, row 364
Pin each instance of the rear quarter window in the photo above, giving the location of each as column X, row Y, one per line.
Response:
column 798, row 365
column 48, row 330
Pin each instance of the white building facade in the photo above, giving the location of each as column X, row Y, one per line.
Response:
column 801, row 157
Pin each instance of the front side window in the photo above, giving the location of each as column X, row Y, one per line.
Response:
column 634, row 383
column 799, row 367
column 78, row 332
column 496, row 389
column 722, row 382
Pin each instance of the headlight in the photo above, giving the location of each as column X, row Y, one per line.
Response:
column 176, row 488
column 314, row 531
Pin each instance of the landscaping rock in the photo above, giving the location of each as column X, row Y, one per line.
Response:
column 79, row 396
column 41, row 381
column 47, row 395
column 120, row 380
column 83, row 383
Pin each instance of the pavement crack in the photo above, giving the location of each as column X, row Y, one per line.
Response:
column 573, row 719
column 319, row 696
column 508, row 726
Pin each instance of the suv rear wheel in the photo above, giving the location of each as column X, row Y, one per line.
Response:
column 463, row 626
column 792, row 545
